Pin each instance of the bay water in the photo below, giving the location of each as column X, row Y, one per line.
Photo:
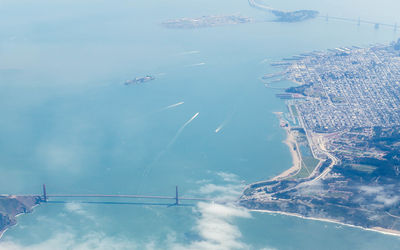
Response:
column 69, row 121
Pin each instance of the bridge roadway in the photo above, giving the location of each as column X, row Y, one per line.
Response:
column 359, row 21
column 124, row 196
column 45, row 198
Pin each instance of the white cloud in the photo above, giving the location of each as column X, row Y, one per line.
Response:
column 67, row 241
column 216, row 228
column 228, row 177
column 227, row 193
column 202, row 181
column 383, row 194
column 371, row 189
column 308, row 188
column 216, row 221
column 387, row 200
column 212, row 189
column 78, row 209
column 60, row 157
column 74, row 207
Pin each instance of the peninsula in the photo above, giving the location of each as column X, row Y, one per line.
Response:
column 343, row 126
column 11, row 206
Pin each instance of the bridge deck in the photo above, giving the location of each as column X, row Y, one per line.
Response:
column 123, row 196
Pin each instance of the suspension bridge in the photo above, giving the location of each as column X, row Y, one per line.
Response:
column 359, row 21
column 176, row 200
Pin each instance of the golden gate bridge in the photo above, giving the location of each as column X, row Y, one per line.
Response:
column 77, row 198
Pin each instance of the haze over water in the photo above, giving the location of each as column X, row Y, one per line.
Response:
column 68, row 120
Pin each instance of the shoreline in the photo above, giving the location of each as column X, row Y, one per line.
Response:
column 16, row 216
column 290, row 141
column 374, row 229
column 2, row 232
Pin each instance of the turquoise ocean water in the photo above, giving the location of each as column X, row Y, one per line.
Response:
column 68, row 121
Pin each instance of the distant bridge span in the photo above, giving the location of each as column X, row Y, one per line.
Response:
column 255, row 4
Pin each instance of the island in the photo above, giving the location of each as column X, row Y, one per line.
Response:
column 286, row 16
column 11, row 206
column 205, row 22
column 343, row 131
column 294, row 16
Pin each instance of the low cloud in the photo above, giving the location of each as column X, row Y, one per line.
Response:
column 228, row 177
column 386, row 195
column 216, row 228
column 60, row 157
column 78, row 209
column 371, row 189
column 311, row 188
column 222, row 193
column 66, row 241
column 387, row 200
column 215, row 224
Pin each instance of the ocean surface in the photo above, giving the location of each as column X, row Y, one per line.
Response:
column 68, row 121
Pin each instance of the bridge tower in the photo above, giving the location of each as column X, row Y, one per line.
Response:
column 44, row 193
column 395, row 27
column 176, row 196
column 359, row 22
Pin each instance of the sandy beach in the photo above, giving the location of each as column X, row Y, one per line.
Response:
column 290, row 141
column 374, row 229
column 2, row 233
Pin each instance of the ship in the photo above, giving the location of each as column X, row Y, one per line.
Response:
column 139, row 80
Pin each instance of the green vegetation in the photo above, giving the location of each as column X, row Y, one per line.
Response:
column 308, row 162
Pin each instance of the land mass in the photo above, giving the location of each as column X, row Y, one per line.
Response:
column 286, row 16
column 11, row 206
column 205, row 21
column 343, row 126
column 294, row 16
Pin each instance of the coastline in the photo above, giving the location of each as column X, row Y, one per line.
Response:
column 374, row 229
column 290, row 141
column 2, row 232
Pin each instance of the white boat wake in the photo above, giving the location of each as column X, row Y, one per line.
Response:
column 172, row 106
column 225, row 122
column 181, row 130
column 197, row 64
column 148, row 168
column 190, row 52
